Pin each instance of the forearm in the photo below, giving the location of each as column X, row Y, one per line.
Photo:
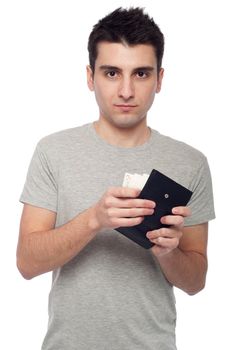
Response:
column 185, row 270
column 40, row 252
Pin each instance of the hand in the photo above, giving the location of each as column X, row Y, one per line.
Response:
column 120, row 207
column 167, row 239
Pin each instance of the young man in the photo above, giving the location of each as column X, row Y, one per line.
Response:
column 107, row 291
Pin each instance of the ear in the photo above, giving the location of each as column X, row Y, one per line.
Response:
column 159, row 82
column 90, row 81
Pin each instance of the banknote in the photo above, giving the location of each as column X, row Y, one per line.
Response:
column 135, row 180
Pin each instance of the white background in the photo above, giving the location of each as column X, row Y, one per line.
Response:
column 43, row 89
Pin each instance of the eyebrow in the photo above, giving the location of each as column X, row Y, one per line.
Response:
column 144, row 68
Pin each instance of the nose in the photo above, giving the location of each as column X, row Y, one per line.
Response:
column 126, row 89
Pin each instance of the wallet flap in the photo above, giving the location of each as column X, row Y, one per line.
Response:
column 164, row 191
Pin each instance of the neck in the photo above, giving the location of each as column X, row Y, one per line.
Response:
column 123, row 137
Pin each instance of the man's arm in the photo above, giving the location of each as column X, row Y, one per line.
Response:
column 182, row 252
column 43, row 248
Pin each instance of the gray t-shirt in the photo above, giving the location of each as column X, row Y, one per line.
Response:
column 113, row 294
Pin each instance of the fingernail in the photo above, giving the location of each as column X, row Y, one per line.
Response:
column 162, row 220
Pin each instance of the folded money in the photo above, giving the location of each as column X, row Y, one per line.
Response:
column 135, row 180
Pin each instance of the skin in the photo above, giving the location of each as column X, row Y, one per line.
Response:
column 124, row 82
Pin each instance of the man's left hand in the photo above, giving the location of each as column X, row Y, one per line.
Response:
column 167, row 239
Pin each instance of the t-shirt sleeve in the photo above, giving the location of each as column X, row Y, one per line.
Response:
column 40, row 188
column 201, row 202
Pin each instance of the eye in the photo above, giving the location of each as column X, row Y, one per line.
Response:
column 142, row 74
column 111, row 74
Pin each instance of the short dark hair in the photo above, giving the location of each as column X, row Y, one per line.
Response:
column 130, row 26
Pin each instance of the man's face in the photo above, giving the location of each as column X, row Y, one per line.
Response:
column 125, row 82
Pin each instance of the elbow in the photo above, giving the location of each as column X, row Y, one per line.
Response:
column 196, row 289
column 28, row 269
column 24, row 265
column 25, row 272
column 198, row 283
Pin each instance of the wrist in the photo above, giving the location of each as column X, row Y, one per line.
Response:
column 166, row 255
column 93, row 223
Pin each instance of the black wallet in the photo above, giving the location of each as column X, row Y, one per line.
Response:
column 167, row 194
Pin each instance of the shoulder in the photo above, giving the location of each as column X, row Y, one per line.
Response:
column 63, row 140
column 179, row 151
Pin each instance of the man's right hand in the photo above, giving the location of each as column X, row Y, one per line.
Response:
column 119, row 206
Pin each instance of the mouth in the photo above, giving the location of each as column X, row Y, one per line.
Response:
column 125, row 107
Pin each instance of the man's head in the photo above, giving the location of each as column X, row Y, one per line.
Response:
column 125, row 73
column 130, row 27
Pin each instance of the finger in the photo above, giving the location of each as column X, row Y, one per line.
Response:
column 124, row 192
column 183, row 211
column 164, row 232
column 127, row 222
column 170, row 243
column 175, row 220
column 132, row 203
column 130, row 212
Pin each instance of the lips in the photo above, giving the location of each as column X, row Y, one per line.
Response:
column 125, row 107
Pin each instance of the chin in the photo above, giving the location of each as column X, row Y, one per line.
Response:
column 125, row 121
